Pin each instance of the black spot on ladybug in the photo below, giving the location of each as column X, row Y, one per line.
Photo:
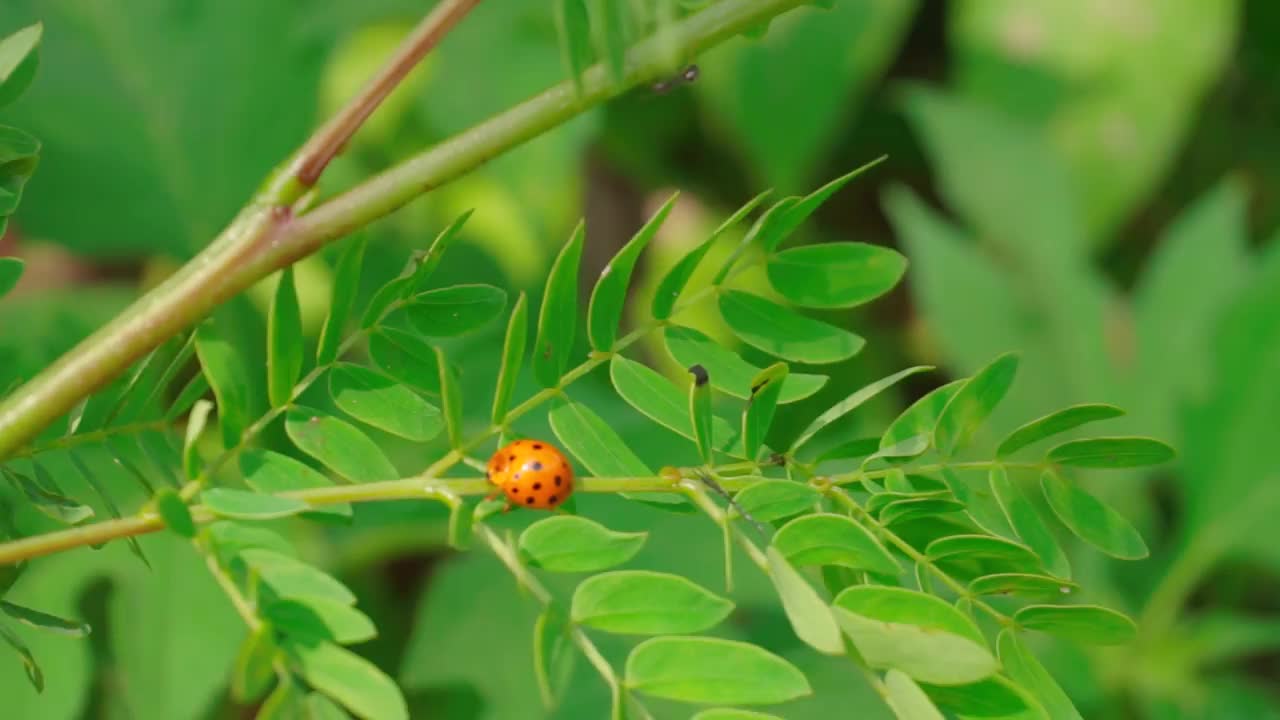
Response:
column 537, row 446
column 511, row 457
column 537, row 486
column 700, row 376
column 553, row 499
column 535, row 465
column 517, row 476
column 515, row 491
column 529, row 500
column 557, row 481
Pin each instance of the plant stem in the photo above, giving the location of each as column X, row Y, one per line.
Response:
column 329, row 140
column 265, row 237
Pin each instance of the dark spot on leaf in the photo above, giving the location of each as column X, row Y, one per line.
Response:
column 537, row 486
column 700, row 376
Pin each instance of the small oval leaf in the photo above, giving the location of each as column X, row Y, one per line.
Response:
column 513, row 348
column 1111, row 452
column 605, row 309
column 1092, row 520
column 1042, row 587
column 835, row 275
column 284, row 341
column 784, row 333
column 810, row 617
column 1027, row 523
column 1091, row 624
column 452, row 311
column 921, row 417
column 852, row 402
column 730, row 373
column 641, row 602
column 338, row 445
column 558, row 317
column 405, row 357
column 1056, row 423
column 770, row 500
column 972, row 403
column 830, row 539
column 575, row 544
column 246, row 505
column 711, row 670
column 379, row 401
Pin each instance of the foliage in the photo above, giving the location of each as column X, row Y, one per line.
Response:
column 956, row 552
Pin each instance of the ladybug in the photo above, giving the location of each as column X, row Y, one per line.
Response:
column 531, row 473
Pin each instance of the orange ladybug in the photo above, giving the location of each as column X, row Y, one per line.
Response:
column 531, row 473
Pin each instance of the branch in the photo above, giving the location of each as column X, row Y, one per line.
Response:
column 265, row 237
column 327, row 142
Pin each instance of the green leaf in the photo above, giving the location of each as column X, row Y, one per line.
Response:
column 830, row 539
column 922, row 416
column 320, row 707
column 405, row 357
column 1026, row 521
column 700, row 416
column 918, row 634
column 271, row 472
column 425, row 263
column 512, row 358
column 784, row 333
column 605, row 311
column 284, row 703
column 1022, row 584
column 175, row 513
column 346, row 284
column 1091, row 624
column 338, row 445
column 835, row 275
column 456, row 310
column 1015, row 556
column 810, row 617
column 10, row 273
column 659, row 399
column 575, row 39
column 19, row 56
column 770, row 500
column 191, row 443
column 907, row 700
column 450, row 398
column 711, row 670
column 641, row 602
column 1111, row 452
column 732, row 714
column 388, row 298
column 284, row 341
column 730, row 373
column 912, row 508
column 558, row 316
column 377, row 400
column 34, row 674
column 1024, row 669
column 44, row 621
column 246, row 505
column 228, row 376
column 232, row 538
column 553, row 655
column 972, row 403
column 193, row 391
column 758, row 415
column 352, row 681
column 994, row 697
column 320, row 619
column 573, row 544
column 673, row 283
column 798, row 213
column 852, row 402
column 609, row 23
column 112, row 508
column 254, row 671
column 293, row 579
column 1092, row 520
column 1055, row 423
column 47, row 500
column 594, row 443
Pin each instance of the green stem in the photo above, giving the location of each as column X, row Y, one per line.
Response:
column 266, row 237
column 96, row 436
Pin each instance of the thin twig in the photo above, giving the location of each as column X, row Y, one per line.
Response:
column 329, row 140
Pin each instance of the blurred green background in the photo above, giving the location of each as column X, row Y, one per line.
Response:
column 1094, row 183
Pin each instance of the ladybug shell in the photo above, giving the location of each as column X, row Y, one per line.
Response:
column 531, row 474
